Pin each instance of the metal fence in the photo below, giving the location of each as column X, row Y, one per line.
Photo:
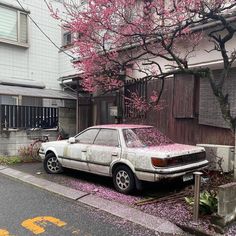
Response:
column 13, row 116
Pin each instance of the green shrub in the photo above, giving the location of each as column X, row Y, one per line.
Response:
column 9, row 160
column 208, row 202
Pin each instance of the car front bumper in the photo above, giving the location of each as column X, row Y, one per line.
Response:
column 42, row 155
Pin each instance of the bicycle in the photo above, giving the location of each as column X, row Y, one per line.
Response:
column 35, row 146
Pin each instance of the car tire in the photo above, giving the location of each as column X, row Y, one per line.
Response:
column 123, row 179
column 52, row 165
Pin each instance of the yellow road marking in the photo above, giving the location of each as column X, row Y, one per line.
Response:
column 4, row 232
column 31, row 224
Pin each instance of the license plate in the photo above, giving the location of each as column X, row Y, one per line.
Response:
column 187, row 177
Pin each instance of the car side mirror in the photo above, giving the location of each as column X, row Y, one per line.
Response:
column 72, row 140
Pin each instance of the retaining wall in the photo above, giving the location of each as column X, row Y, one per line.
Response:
column 12, row 140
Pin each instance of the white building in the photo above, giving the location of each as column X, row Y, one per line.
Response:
column 27, row 57
column 31, row 63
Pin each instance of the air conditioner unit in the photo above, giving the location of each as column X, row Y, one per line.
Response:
column 220, row 157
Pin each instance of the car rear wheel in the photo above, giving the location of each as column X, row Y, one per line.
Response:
column 52, row 165
column 123, row 179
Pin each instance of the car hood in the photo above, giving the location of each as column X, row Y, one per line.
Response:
column 55, row 143
column 170, row 150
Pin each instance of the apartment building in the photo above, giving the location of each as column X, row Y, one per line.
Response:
column 30, row 41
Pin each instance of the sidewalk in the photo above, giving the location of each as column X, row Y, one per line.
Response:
column 33, row 174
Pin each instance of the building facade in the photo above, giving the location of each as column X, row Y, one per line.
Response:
column 30, row 67
column 29, row 60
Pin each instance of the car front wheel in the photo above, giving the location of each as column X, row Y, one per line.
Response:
column 51, row 164
column 123, row 179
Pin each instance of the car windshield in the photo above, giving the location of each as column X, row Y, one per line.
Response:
column 145, row 137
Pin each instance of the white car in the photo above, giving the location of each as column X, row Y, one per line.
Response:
column 128, row 153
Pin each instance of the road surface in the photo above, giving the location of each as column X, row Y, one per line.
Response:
column 26, row 211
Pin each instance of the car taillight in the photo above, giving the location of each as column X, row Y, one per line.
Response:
column 158, row 162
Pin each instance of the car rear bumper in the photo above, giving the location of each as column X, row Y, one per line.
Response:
column 168, row 173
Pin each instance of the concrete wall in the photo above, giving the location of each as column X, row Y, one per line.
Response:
column 12, row 140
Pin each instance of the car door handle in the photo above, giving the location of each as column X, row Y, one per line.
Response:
column 114, row 154
column 83, row 150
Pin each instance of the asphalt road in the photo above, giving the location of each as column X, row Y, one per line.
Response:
column 27, row 211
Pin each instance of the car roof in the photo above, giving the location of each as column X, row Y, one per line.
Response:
column 121, row 126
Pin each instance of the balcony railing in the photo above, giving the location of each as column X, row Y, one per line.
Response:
column 24, row 117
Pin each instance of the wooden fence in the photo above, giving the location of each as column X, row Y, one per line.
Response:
column 132, row 88
column 179, row 116
column 12, row 116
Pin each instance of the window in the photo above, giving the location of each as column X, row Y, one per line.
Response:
column 87, row 137
column 13, row 26
column 184, row 96
column 69, row 38
column 107, row 137
column 209, row 108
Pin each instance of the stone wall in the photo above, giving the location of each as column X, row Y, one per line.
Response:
column 12, row 140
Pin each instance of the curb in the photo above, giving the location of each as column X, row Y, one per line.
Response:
column 128, row 213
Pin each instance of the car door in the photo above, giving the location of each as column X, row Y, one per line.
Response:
column 104, row 150
column 75, row 154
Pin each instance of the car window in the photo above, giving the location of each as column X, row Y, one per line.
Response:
column 87, row 137
column 143, row 137
column 131, row 139
column 107, row 137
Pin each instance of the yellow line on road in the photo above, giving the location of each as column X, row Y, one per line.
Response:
column 4, row 232
column 31, row 224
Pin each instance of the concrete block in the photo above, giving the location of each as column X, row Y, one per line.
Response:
column 226, row 204
column 230, row 207
column 227, row 192
column 221, row 209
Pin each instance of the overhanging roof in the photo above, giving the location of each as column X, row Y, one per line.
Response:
column 36, row 92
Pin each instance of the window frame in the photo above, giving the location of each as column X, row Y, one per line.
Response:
column 18, row 12
column 65, row 44
column 74, row 36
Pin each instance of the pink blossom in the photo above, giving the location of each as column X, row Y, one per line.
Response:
column 117, row 33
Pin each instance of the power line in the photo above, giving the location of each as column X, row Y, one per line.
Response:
column 40, row 29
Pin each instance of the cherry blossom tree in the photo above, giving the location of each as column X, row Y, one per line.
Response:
column 149, row 39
